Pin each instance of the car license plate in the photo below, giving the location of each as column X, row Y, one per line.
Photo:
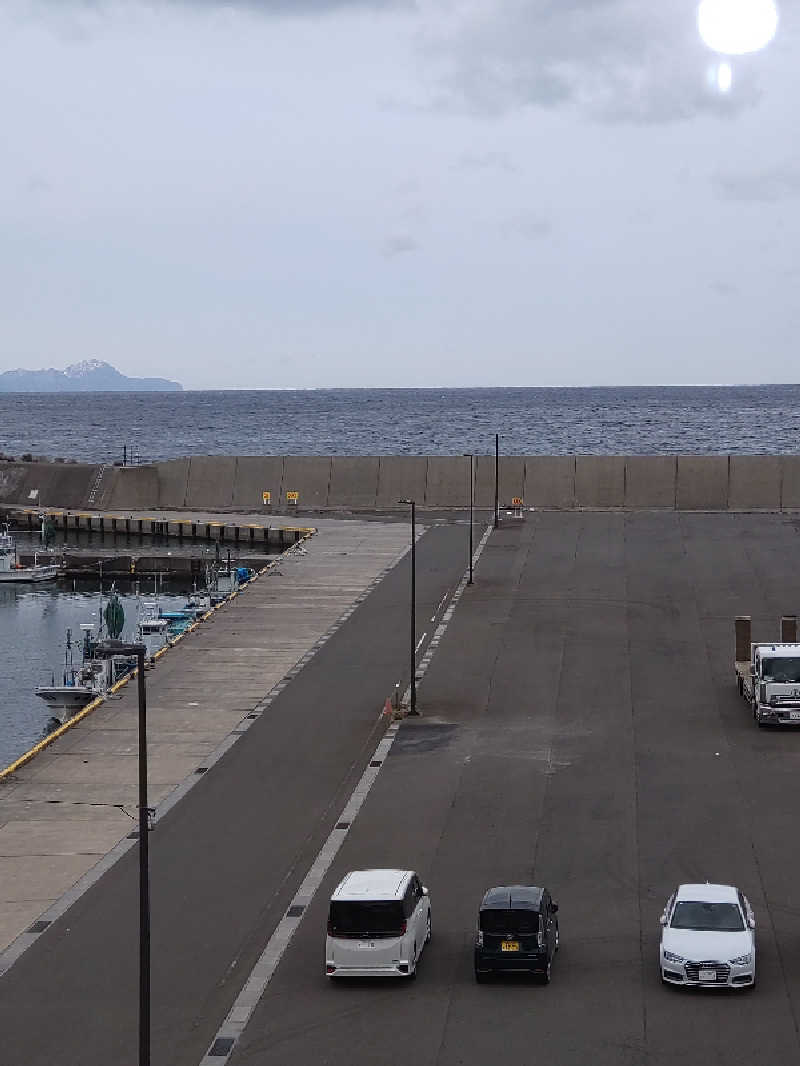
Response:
column 510, row 945
column 707, row 975
column 366, row 944
column 794, row 716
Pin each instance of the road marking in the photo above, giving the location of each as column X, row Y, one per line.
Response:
column 420, row 642
column 439, row 606
column 230, row 1031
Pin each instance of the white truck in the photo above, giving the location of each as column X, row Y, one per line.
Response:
column 768, row 674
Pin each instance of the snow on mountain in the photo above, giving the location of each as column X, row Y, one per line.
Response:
column 90, row 375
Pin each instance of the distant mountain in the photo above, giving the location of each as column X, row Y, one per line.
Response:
column 92, row 375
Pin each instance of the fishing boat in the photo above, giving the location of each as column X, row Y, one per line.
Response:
column 11, row 570
column 152, row 628
column 79, row 684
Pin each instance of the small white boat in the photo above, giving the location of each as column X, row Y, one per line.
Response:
column 10, row 570
column 152, row 629
column 80, row 684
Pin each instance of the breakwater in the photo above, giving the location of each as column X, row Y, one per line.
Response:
column 297, row 484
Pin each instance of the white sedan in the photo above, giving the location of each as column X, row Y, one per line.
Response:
column 708, row 938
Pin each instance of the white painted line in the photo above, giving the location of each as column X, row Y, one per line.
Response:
column 421, row 641
column 224, row 1042
column 440, row 605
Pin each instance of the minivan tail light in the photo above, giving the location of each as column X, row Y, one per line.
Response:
column 404, row 927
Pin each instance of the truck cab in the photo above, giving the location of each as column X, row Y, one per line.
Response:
column 771, row 683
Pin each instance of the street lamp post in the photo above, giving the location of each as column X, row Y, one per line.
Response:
column 118, row 647
column 413, row 662
column 496, row 480
column 472, row 504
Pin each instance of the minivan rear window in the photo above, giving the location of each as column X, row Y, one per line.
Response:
column 370, row 917
column 501, row 922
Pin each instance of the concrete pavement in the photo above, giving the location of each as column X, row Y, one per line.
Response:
column 69, row 807
column 583, row 730
column 225, row 859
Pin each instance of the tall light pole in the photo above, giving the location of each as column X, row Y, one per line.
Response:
column 413, row 706
column 496, row 480
column 118, row 647
column 472, row 504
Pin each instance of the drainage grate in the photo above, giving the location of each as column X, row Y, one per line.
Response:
column 201, row 769
column 223, row 1045
column 295, row 910
column 342, row 825
column 376, row 762
column 251, row 716
column 39, row 927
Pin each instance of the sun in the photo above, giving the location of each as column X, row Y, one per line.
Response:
column 733, row 27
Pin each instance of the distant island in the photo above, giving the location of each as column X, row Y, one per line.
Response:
column 92, row 375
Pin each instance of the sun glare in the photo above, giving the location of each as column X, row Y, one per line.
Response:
column 724, row 77
column 734, row 27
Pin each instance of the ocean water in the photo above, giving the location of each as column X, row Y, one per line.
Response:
column 34, row 620
column 95, row 427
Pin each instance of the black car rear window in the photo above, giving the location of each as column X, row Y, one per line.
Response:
column 370, row 916
column 501, row 922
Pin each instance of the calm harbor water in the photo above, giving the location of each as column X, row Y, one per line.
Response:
column 33, row 624
column 95, row 427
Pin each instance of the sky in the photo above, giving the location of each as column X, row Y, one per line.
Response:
column 406, row 193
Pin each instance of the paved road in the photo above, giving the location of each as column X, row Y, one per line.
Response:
column 225, row 861
column 581, row 729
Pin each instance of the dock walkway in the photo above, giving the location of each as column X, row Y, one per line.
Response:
column 65, row 810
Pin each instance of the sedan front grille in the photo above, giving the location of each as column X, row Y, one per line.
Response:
column 722, row 970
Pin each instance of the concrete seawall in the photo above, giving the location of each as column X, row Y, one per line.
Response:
column 376, row 483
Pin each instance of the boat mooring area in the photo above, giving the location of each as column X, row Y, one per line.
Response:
column 74, row 801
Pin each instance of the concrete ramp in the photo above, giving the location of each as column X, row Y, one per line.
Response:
column 650, row 482
column 133, row 488
column 599, row 481
column 702, row 483
column 255, row 475
column 755, row 483
column 447, row 482
column 401, row 477
column 66, row 485
column 173, row 483
column 550, row 481
column 308, row 475
column 354, row 482
column 210, row 483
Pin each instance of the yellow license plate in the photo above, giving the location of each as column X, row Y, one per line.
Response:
column 510, row 945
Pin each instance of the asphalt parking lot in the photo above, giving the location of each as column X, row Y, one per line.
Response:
column 581, row 729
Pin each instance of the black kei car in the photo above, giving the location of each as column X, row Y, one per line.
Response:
column 517, row 932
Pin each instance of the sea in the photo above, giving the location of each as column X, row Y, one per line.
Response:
column 105, row 427
column 142, row 427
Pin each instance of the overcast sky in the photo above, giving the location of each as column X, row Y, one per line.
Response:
column 293, row 193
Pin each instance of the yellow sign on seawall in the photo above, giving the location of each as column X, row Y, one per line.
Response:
column 292, row 497
column 267, row 496
column 516, row 501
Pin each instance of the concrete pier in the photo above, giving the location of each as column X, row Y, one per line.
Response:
column 581, row 728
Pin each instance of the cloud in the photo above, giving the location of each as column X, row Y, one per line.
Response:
column 480, row 162
column 724, row 288
column 767, row 186
column 399, row 244
column 615, row 60
column 531, row 227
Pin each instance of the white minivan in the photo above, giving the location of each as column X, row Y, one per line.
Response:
column 378, row 923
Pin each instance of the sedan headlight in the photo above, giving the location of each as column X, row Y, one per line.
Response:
column 742, row 960
column 670, row 956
